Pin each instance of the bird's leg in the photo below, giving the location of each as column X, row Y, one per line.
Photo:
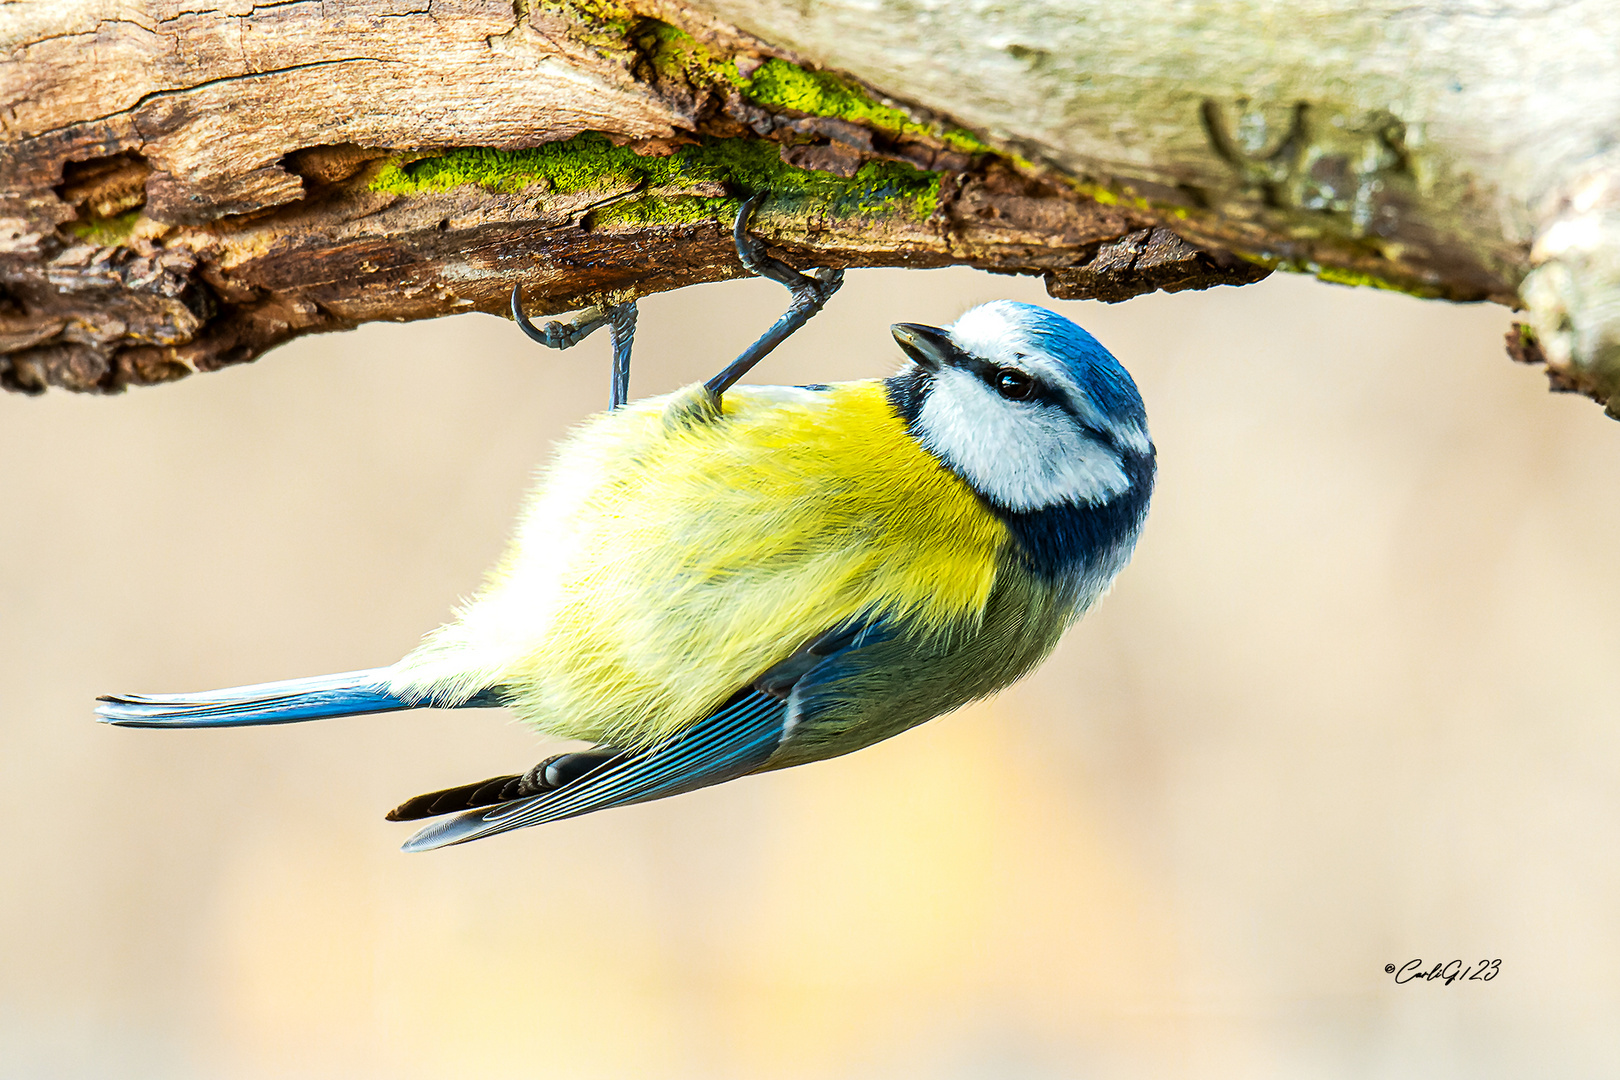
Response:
column 620, row 320
column 622, row 327
column 810, row 292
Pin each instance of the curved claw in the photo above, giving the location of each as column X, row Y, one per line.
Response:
column 751, row 249
column 752, row 254
column 557, row 335
column 810, row 293
column 619, row 318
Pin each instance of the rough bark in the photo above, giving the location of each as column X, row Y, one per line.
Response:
column 185, row 184
column 1447, row 147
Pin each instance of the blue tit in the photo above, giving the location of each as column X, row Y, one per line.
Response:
column 706, row 587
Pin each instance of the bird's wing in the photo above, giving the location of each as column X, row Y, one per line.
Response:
column 731, row 742
column 825, row 656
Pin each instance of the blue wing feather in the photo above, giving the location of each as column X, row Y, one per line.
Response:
column 731, row 742
column 840, row 654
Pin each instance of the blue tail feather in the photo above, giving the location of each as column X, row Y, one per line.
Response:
column 349, row 693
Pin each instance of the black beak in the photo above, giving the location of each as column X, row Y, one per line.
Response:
column 927, row 345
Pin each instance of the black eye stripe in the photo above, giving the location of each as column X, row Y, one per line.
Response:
column 1044, row 393
column 990, row 374
column 984, row 369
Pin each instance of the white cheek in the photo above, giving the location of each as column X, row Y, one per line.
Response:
column 1022, row 457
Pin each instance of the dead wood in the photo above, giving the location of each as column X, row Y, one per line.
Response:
column 188, row 185
column 185, row 185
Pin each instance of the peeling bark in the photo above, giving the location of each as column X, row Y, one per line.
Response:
column 184, row 185
column 187, row 186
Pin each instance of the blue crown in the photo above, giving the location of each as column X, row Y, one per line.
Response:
column 1094, row 368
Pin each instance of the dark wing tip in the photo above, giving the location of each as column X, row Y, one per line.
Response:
column 496, row 789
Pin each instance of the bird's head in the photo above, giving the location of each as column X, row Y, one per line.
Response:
column 1027, row 408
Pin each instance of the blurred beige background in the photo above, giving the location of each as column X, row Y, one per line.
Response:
column 1354, row 703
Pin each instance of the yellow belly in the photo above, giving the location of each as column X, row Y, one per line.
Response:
column 661, row 565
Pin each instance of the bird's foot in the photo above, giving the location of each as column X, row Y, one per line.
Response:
column 810, row 292
column 619, row 318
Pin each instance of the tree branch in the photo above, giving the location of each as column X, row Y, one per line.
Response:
column 183, row 189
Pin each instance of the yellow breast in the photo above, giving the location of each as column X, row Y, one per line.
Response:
column 661, row 565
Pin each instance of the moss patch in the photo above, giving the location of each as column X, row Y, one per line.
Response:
column 665, row 185
column 778, row 84
column 602, row 24
column 677, row 55
column 1340, row 276
column 106, row 231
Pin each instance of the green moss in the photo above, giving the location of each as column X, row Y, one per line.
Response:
column 602, row 24
column 602, row 12
column 1097, row 193
column 1340, row 276
column 777, row 84
column 965, row 142
column 675, row 54
column 107, row 232
column 663, row 185
column 781, row 85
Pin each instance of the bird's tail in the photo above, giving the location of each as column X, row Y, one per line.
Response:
column 288, row 702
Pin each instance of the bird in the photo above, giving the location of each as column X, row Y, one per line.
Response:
column 708, row 585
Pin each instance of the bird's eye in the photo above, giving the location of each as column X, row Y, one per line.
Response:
column 1014, row 384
